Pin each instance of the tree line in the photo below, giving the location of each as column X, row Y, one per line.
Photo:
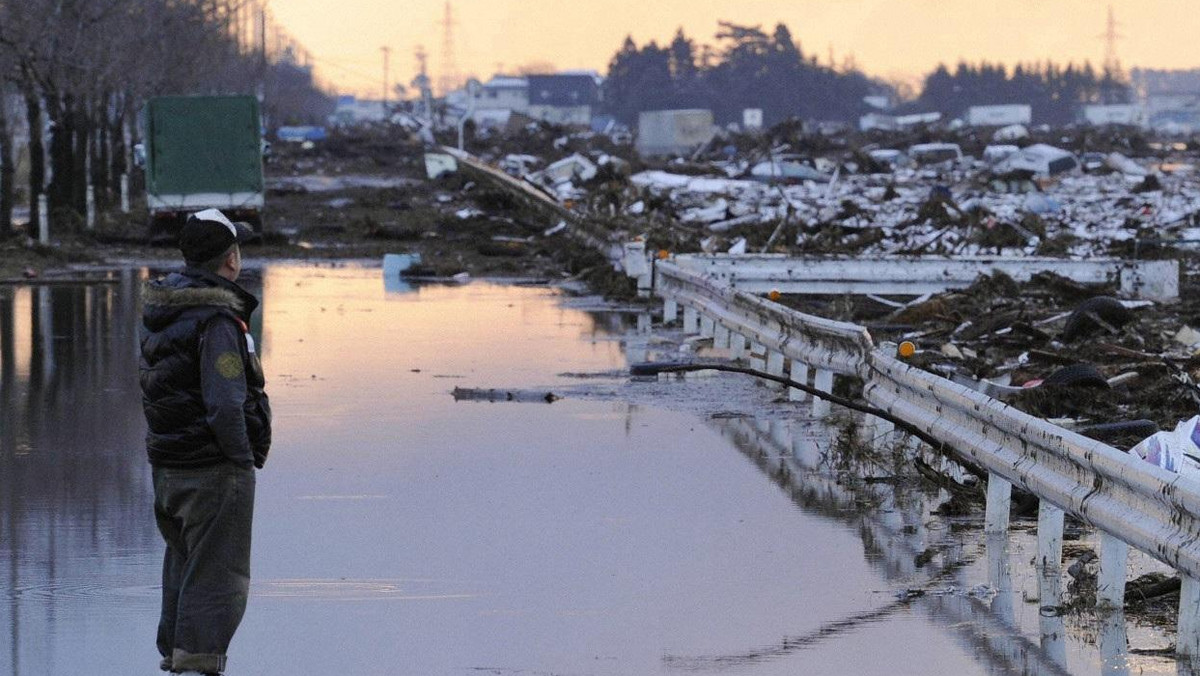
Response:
column 749, row 68
column 1054, row 92
column 79, row 72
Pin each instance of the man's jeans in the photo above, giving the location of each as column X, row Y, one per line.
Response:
column 204, row 516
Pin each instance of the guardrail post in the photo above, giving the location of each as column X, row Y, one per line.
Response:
column 1000, row 575
column 690, row 320
column 90, row 202
column 670, row 311
column 737, row 346
column 43, row 219
column 1114, row 644
column 706, row 326
column 720, row 337
column 804, row 449
column 1050, row 530
column 1187, row 640
column 999, row 494
column 799, row 374
column 823, row 381
column 638, row 267
column 780, row 433
column 1110, row 581
column 875, row 432
column 1049, row 567
column 644, row 323
column 774, row 364
column 757, row 353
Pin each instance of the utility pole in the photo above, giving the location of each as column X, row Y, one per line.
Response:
column 1112, row 63
column 387, row 54
column 421, row 82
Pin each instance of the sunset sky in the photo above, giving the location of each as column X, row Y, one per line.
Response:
column 887, row 38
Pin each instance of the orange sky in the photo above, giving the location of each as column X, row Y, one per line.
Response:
column 887, row 38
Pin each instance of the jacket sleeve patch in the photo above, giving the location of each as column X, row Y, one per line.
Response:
column 229, row 365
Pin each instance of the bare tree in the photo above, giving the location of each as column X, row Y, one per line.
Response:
column 85, row 67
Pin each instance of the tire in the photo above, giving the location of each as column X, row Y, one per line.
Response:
column 1137, row 429
column 1107, row 308
column 1077, row 375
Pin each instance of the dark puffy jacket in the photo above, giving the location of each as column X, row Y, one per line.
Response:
column 202, row 383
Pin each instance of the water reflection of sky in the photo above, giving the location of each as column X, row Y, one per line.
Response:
column 398, row 531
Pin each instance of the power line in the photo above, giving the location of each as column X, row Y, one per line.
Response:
column 359, row 74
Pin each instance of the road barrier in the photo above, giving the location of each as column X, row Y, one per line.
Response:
column 1131, row 503
column 916, row 275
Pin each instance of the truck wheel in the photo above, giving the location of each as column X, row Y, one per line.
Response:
column 1136, row 429
column 1077, row 375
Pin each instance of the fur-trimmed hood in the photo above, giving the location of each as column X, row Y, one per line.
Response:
column 190, row 296
column 165, row 299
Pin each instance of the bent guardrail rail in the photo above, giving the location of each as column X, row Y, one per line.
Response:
column 605, row 243
column 916, row 275
column 1130, row 502
column 822, row 343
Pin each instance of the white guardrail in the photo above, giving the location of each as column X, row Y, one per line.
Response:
column 1132, row 503
column 916, row 275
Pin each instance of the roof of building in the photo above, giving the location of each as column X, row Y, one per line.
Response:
column 563, row 90
column 506, row 82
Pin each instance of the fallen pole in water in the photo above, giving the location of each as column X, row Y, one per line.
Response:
column 652, row 368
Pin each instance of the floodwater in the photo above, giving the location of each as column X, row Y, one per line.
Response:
column 398, row 531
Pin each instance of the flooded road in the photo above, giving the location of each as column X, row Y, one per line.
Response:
column 398, row 531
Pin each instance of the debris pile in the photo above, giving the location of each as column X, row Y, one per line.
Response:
column 1060, row 193
column 1117, row 370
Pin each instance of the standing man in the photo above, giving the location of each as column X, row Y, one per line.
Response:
column 209, row 428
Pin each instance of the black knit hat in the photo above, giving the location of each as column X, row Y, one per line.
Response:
column 207, row 234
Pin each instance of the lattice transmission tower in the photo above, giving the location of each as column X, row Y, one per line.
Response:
column 449, row 76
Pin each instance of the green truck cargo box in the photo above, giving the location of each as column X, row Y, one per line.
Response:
column 202, row 152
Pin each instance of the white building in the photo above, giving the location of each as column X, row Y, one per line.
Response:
column 503, row 93
column 1000, row 115
column 884, row 122
column 673, row 132
column 350, row 111
column 1124, row 114
column 567, row 98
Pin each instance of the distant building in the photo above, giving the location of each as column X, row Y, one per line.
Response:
column 673, row 132
column 1100, row 115
column 879, row 121
column 1175, row 112
column 504, row 92
column 351, row 111
column 1171, row 98
column 999, row 115
column 878, row 101
column 564, row 98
